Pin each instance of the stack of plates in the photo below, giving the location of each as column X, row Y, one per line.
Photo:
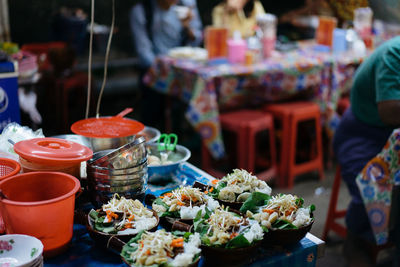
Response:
column 122, row 171
column 21, row 250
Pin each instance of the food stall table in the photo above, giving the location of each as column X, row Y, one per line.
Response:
column 83, row 251
column 210, row 88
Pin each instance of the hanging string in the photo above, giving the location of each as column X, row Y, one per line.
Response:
column 106, row 59
column 90, row 61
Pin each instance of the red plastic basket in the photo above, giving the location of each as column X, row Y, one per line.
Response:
column 8, row 167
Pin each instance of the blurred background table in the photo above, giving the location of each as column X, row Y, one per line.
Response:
column 211, row 89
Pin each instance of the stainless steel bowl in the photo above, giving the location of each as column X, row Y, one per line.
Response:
column 165, row 171
column 118, row 178
column 104, row 181
column 126, row 156
column 150, row 134
column 99, row 144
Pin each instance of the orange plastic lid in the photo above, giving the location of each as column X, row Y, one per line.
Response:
column 107, row 127
column 52, row 151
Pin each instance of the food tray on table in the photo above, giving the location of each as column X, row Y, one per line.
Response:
column 82, row 251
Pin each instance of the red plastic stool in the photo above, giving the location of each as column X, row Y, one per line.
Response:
column 333, row 213
column 291, row 114
column 42, row 51
column 339, row 229
column 246, row 124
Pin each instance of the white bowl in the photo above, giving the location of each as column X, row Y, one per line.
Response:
column 19, row 250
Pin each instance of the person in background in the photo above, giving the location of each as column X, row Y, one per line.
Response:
column 344, row 9
column 237, row 15
column 296, row 19
column 386, row 10
column 157, row 26
column 361, row 135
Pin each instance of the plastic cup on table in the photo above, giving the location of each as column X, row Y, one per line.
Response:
column 339, row 40
column 326, row 26
column 216, row 42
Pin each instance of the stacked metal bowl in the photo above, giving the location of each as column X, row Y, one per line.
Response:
column 122, row 171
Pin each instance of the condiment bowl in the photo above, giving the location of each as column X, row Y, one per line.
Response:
column 20, row 250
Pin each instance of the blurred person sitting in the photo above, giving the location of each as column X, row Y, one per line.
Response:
column 237, row 15
column 296, row 19
column 361, row 135
column 157, row 26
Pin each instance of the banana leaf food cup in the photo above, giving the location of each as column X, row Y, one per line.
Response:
column 236, row 187
column 120, row 217
column 182, row 204
column 283, row 217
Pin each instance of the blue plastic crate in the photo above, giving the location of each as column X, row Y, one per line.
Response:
column 9, row 105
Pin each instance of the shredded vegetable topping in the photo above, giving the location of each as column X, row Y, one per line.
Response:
column 185, row 200
column 223, row 226
column 126, row 216
column 238, row 185
column 284, row 207
column 164, row 247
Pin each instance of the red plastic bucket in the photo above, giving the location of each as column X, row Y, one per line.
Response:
column 40, row 204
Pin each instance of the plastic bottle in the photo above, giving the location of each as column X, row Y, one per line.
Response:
column 236, row 49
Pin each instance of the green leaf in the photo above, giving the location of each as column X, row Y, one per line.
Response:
column 12, row 241
column 312, row 208
column 205, row 240
column 256, row 200
column 187, row 235
column 94, row 215
column 283, row 224
column 238, row 241
column 217, row 189
column 110, row 230
column 266, row 230
column 221, row 185
column 173, row 214
column 207, row 214
column 299, row 202
column 127, row 249
column 178, row 233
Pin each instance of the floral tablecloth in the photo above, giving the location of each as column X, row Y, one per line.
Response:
column 209, row 89
column 376, row 183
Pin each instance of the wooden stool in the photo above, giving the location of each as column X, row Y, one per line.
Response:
column 246, row 124
column 291, row 114
column 339, row 229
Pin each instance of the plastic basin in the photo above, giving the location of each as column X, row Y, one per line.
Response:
column 40, row 204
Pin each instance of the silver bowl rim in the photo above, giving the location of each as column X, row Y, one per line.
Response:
column 186, row 151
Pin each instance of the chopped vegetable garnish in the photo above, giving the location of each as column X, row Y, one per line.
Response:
column 162, row 248
column 123, row 216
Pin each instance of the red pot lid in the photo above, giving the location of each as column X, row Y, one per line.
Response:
column 52, row 150
column 107, row 127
